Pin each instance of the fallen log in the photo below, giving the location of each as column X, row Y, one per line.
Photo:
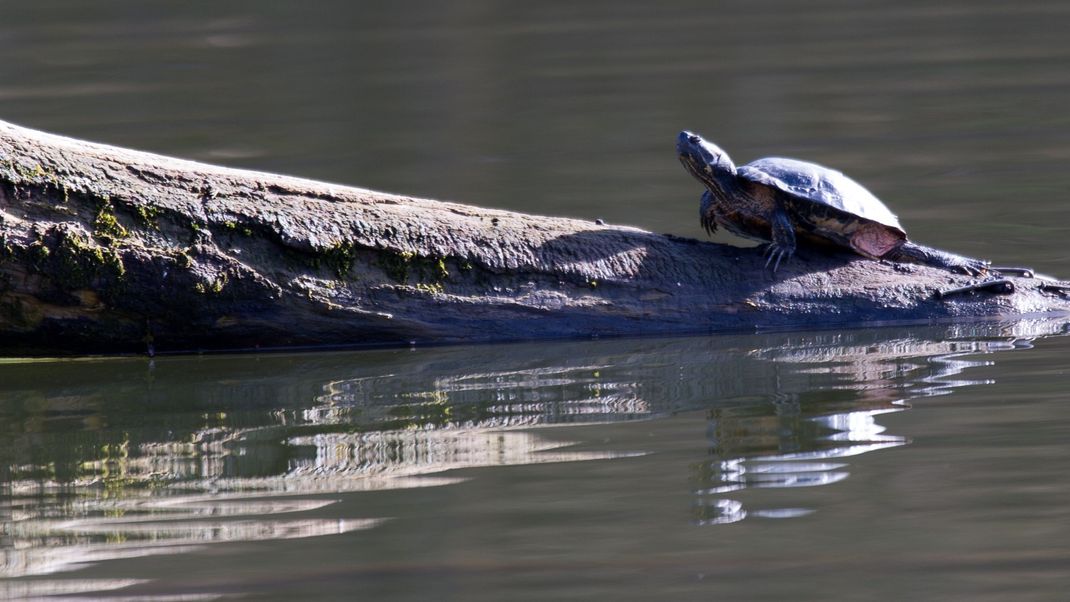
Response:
column 104, row 249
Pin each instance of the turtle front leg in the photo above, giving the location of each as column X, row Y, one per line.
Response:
column 707, row 215
column 782, row 239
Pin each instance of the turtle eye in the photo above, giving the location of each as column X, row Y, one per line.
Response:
column 693, row 139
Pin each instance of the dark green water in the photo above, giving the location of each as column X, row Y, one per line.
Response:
column 884, row 464
column 880, row 464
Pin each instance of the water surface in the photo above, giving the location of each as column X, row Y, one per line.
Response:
column 923, row 463
column 745, row 466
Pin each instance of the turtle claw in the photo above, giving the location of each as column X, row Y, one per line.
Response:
column 706, row 214
column 708, row 224
column 975, row 267
column 775, row 252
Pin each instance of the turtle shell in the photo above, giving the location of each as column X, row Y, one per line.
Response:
column 819, row 184
column 832, row 204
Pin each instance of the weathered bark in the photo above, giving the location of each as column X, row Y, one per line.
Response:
column 105, row 249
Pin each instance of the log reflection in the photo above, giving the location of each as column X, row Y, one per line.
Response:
column 135, row 460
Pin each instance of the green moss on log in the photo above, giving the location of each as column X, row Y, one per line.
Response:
column 74, row 262
column 430, row 273
column 106, row 227
column 215, row 287
column 78, row 263
column 340, row 258
column 149, row 216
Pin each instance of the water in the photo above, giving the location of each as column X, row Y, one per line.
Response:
column 749, row 467
column 954, row 114
column 924, row 463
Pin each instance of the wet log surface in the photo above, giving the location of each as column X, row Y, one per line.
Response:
column 104, row 249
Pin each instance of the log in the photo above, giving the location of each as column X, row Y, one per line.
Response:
column 104, row 249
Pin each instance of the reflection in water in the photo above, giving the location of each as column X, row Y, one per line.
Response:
column 202, row 450
column 160, row 492
column 796, row 440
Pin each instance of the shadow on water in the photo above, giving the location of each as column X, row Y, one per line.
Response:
column 110, row 459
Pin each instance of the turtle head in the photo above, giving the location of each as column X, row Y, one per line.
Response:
column 704, row 160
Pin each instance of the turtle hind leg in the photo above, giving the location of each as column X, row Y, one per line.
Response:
column 782, row 243
column 912, row 253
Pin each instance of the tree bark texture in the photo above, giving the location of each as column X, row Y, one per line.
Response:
column 104, row 249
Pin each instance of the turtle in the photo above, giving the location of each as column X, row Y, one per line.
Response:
column 779, row 200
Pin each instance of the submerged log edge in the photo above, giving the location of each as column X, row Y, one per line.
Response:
column 104, row 249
